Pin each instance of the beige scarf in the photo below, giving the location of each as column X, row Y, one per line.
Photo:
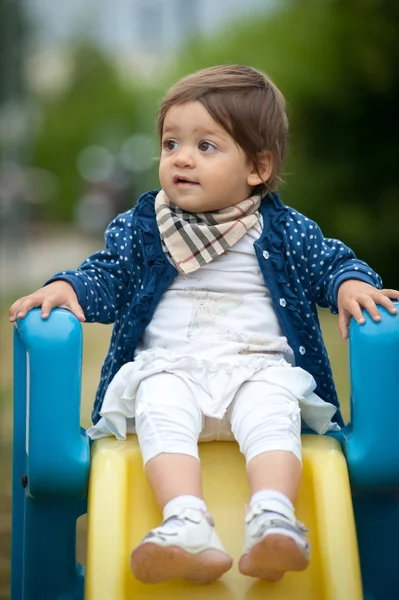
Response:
column 194, row 239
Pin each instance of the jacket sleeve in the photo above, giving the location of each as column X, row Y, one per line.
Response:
column 102, row 281
column 330, row 262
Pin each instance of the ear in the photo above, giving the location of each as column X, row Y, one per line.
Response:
column 263, row 171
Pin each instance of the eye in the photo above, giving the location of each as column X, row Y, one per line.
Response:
column 206, row 147
column 169, row 145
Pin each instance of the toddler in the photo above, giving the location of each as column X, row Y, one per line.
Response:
column 212, row 285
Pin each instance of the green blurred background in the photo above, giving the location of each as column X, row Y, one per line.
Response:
column 80, row 83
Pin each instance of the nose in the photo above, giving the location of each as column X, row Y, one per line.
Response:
column 183, row 157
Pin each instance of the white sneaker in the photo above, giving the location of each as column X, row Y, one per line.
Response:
column 186, row 546
column 275, row 542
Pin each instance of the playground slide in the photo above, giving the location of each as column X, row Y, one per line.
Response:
column 121, row 511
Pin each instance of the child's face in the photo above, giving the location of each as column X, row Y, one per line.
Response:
column 202, row 168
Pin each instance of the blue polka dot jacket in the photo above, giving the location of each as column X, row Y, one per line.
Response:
column 302, row 269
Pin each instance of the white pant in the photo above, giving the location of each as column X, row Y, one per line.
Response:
column 262, row 417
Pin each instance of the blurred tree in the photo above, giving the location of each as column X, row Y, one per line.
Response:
column 13, row 37
column 97, row 109
column 12, row 30
column 337, row 62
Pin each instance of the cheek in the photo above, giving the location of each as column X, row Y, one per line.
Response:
column 162, row 171
column 235, row 175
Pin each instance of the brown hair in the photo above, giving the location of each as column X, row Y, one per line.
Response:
column 245, row 102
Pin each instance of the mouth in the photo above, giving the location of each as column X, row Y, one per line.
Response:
column 184, row 181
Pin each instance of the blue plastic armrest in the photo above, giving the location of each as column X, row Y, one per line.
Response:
column 49, row 367
column 372, row 440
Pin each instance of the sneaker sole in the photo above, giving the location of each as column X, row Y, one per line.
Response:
column 272, row 557
column 151, row 563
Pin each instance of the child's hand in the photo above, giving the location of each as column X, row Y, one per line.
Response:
column 353, row 295
column 59, row 293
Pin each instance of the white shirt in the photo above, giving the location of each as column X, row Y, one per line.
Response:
column 220, row 311
column 215, row 328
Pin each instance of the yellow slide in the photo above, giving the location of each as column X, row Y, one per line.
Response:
column 122, row 510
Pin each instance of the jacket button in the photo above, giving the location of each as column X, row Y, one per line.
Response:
column 302, row 349
column 265, row 254
column 283, row 302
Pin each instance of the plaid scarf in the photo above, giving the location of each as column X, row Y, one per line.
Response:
column 194, row 239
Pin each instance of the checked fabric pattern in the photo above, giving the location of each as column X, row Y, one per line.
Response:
column 194, row 239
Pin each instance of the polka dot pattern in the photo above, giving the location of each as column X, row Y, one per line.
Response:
column 123, row 283
column 304, row 270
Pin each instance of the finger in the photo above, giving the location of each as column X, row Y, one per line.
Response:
column 26, row 305
column 384, row 300
column 77, row 310
column 354, row 308
column 47, row 306
column 13, row 311
column 343, row 324
column 368, row 303
column 390, row 293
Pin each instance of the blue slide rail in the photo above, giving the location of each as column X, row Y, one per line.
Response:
column 51, row 455
column 51, row 458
